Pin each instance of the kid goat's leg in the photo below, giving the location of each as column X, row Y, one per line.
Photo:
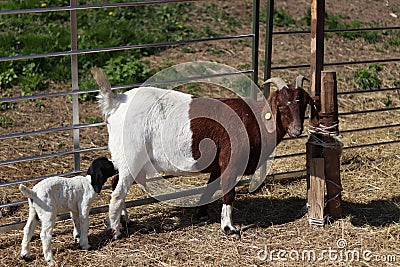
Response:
column 45, row 236
column 28, row 233
column 84, row 223
column 77, row 226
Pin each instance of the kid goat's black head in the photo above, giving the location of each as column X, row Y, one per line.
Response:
column 100, row 170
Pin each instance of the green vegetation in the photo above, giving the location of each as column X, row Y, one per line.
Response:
column 25, row 34
column 93, row 119
column 333, row 22
column 5, row 105
column 388, row 101
column 284, row 19
column 367, row 78
column 5, row 121
column 194, row 89
column 281, row 17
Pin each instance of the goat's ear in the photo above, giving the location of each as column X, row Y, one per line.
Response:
column 97, row 181
column 313, row 108
column 270, row 113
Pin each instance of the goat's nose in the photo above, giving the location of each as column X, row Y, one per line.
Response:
column 296, row 130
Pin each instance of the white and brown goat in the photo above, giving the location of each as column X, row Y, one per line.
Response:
column 156, row 130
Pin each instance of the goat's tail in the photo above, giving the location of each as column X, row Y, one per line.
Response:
column 108, row 99
column 26, row 191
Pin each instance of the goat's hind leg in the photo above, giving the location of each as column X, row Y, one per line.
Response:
column 45, row 236
column 77, row 226
column 117, row 202
column 124, row 213
column 28, row 233
column 202, row 213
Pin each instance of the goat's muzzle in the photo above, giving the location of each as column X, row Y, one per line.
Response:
column 295, row 131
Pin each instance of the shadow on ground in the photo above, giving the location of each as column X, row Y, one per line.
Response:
column 254, row 212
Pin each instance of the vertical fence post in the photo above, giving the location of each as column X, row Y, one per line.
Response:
column 314, row 151
column 329, row 121
column 317, row 44
column 256, row 43
column 267, row 59
column 268, row 45
column 74, row 86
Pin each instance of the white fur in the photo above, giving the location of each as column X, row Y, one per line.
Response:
column 53, row 196
column 226, row 218
column 137, row 127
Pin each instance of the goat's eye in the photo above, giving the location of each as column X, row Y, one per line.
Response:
column 268, row 116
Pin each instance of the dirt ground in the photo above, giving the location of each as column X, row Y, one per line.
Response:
column 274, row 233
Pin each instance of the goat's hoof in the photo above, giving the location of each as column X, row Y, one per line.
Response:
column 26, row 258
column 232, row 232
column 117, row 236
column 202, row 213
column 202, row 216
column 51, row 262
column 127, row 224
column 86, row 247
column 77, row 238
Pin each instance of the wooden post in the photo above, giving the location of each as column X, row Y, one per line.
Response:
column 329, row 121
column 316, row 194
column 317, row 44
column 317, row 63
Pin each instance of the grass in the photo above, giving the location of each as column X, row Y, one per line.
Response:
column 5, row 121
column 281, row 18
column 21, row 34
column 367, row 78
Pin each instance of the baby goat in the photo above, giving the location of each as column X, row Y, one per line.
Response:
column 58, row 194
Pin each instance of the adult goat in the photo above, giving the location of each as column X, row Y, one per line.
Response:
column 165, row 132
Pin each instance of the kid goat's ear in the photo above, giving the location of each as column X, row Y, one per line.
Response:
column 97, row 181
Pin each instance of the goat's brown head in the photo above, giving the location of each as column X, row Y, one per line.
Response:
column 288, row 105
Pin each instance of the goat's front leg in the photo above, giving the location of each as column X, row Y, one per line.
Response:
column 228, row 190
column 84, row 223
column 226, row 214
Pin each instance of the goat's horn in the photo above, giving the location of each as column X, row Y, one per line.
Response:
column 299, row 81
column 279, row 82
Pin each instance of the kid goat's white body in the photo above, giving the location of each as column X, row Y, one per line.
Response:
column 53, row 196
